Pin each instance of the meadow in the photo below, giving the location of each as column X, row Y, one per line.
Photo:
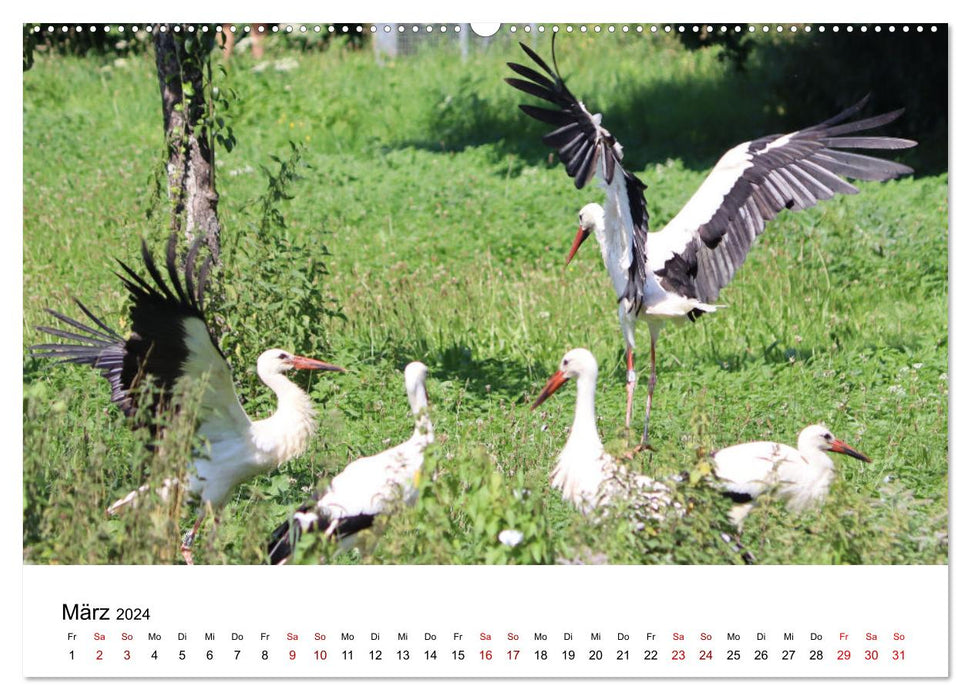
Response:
column 376, row 213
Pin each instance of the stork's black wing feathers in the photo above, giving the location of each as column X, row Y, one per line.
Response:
column 777, row 172
column 156, row 346
column 580, row 141
column 738, row 496
column 637, row 272
column 284, row 538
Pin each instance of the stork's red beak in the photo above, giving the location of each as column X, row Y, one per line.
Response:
column 843, row 448
column 577, row 242
column 309, row 363
column 554, row 383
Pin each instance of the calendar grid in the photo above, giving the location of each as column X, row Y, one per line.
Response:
column 486, row 622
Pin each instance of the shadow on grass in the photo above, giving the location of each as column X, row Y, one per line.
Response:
column 509, row 379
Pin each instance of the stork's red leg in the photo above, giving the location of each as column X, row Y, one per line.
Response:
column 650, row 390
column 631, row 383
column 190, row 538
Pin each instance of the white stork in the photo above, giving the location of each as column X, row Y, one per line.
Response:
column 367, row 486
column 585, row 473
column 677, row 272
column 800, row 476
column 169, row 343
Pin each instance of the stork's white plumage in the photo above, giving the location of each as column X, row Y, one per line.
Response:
column 367, row 486
column 585, row 473
column 171, row 344
column 802, row 475
column 678, row 272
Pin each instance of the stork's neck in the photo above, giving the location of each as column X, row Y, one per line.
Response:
column 286, row 433
column 820, row 461
column 419, row 408
column 584, row 430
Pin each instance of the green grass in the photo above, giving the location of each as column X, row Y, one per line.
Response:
column 445, row 227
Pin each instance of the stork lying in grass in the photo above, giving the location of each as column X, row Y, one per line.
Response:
column 585, row 473
column 801, row 476
column 367, row 486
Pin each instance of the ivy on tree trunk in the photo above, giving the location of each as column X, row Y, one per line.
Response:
column 182, row 62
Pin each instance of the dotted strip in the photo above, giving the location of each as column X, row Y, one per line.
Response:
column 512, row 28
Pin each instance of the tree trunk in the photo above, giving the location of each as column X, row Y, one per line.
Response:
column 191, row 166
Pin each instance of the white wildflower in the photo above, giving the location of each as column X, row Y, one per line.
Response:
column 510, row 538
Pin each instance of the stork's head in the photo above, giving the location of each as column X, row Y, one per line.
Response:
column 579, row 362
column 415, row 374
column 591, row 219
column 819, row 437
column 276, row 361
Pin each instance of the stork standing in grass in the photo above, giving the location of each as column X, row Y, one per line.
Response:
column 677, row 272
column 585, row 473
column 367, row 486
column 800, row 476
column 170, row 343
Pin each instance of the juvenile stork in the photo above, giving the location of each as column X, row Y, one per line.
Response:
column 367, row 486
column 677, row 272
column 801, row 476
column 585, row 473
column 171, row 344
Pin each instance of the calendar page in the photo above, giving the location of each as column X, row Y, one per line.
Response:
column 514, row 350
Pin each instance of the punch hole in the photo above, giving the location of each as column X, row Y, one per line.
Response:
column 485, row 29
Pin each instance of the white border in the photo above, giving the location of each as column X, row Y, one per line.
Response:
column 508, row 10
